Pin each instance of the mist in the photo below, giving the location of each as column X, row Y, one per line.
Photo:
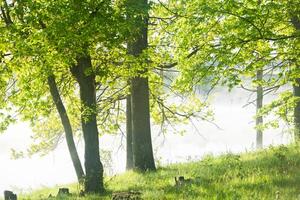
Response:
column 232, row 131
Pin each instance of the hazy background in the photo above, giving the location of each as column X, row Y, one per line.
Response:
column 237, row 134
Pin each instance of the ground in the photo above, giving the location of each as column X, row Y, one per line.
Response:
column 273, row 173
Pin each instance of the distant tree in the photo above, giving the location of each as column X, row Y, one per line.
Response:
column 129, row 146
column 259, row 105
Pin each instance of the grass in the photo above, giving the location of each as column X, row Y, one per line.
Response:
column 273, row 173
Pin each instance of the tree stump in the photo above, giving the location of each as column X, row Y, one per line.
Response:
column 81, row 193
column 9, row 195
column 131, row 195
column 182, row 181
column 63, row 192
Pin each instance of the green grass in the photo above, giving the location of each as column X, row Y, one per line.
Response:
column 273, row 173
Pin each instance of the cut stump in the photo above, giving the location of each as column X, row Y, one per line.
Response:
column 63, row 192
column 9, row 195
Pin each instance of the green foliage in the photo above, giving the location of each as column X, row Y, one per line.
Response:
column 226, row 42
column 281, row 109
column 192, row 44
column 46, row 37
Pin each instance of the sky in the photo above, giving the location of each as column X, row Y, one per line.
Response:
column 236, row 134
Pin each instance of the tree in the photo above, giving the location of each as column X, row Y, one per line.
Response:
column 259, row 105
column 143, row 158
column 60, row 52
column 151, row 81
column 93, row 166
column 296, row 88
column 67, row 128
column 225, row 35
column 9, row 21
column 129, row 145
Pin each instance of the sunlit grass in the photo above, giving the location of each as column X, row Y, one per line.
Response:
column 268, row 174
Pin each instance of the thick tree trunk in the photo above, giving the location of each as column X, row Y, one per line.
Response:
column 141, row 132
column 129, row 151
column 93, row 166
column 259, row 105
column 297, row 110
column 67, row 127
column 142, row 143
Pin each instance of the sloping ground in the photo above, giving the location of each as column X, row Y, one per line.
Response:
column 273, row 173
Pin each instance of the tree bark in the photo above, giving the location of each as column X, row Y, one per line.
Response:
column 259, row 105
column 67, row 127
column 296, row 88
column 143, row 158
column 93, row 166
column 142, row 142
column 129, row 152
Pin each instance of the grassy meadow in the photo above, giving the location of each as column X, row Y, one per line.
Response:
column 273, row 173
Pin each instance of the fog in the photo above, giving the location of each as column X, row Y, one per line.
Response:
column 235, row 133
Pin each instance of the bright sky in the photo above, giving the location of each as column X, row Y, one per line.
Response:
column 237, row 135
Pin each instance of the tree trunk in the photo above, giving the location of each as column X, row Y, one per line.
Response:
column 141, row 132
column 297, row 110
column 259, row 104
column 67, row 127
column 93, row 166
column 129, row 153
column 142, row 143
column 296, row 87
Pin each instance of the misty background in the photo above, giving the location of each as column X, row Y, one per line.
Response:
column 235, row 133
